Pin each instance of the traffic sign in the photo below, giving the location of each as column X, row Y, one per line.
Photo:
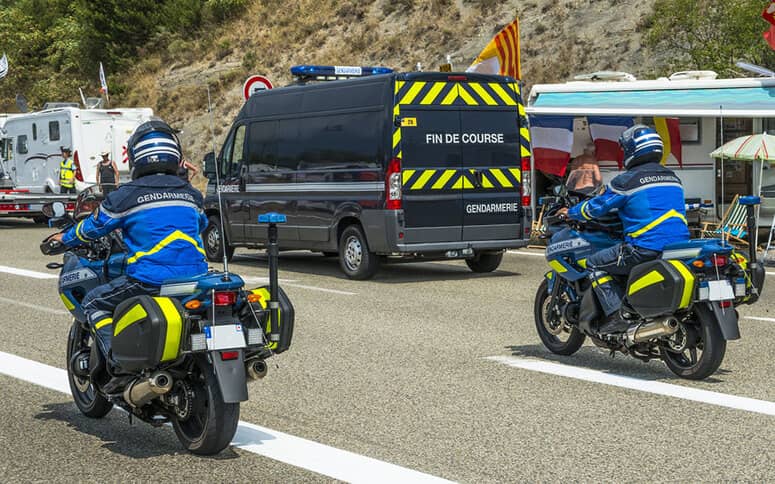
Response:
column 255, row 84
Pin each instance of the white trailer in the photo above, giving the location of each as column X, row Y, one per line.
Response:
column 32, row 144
column 744, row 105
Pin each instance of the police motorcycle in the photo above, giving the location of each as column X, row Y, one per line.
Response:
column 681, row 307
column 183, row 357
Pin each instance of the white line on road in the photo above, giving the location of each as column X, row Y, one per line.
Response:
column 771, row 273
column 655, row 387
column 754, row 318
column 296, row 451
column 26, row 273
column 34, row 306
column 289, row 283
column 524, row 252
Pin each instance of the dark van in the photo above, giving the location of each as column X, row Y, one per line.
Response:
column 416, row 165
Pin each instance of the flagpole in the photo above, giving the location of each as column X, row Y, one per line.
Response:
column 721, row 115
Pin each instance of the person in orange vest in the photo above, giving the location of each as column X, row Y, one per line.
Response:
column 66, row 172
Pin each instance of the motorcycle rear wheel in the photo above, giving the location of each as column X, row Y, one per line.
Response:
column 704, row 358
column 212, row 423
column 90, row 402
column 553, row 343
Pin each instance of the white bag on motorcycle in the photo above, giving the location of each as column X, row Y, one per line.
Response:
column 660, row 287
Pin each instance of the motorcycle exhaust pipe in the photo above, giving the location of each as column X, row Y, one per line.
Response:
column 142, row 391
column 654, row 329
column 256, row 369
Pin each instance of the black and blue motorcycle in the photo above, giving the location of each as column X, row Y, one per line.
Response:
column 681, row 307
column 184, row 356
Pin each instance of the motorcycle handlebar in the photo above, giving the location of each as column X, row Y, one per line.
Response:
column 52, row 247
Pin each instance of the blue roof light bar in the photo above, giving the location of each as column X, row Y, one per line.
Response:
column 336, row 72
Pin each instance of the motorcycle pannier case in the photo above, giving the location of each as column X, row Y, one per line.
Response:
column 147, row 331
column 660, row 287
column 279, row 339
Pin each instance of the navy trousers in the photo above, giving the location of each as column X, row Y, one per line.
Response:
column 617, row 261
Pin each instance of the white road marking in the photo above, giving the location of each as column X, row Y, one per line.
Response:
column 289, row 283
column 655, row 387
column 524, row 252
column 754, row 318
column 296, row 451
column 770, row 273
column 34, row 306
column 26, row 273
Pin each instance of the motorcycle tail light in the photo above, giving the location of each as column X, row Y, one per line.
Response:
column 224, row 298
column 229, row 355
column 725, row 304
column 193, row 304
column 719, row 260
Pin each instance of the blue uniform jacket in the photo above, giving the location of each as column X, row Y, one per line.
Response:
column 161, row 218
column 650, row 200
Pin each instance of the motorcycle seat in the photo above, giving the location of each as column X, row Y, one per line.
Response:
column 705, row 246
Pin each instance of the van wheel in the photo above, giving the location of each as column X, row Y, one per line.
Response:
column 214, row 242
column 485, row 261
column 354, row 256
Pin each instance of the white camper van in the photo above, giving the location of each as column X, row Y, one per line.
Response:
column 710, row 111
column 30, row 144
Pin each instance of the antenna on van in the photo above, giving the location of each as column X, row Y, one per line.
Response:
column 218, row 189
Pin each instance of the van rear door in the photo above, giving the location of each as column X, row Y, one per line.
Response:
column 460, row 145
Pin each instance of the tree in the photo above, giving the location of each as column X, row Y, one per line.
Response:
column 708, row 34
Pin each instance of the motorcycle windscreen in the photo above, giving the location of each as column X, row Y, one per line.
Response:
column 490, row 143
column 431, row 163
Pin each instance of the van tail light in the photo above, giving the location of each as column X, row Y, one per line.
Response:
column 393, row 185
column 719, row 260
column 78, row 172
column 225, row 298
column 525, row 188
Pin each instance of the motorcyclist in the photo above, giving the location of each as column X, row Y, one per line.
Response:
column 650, row 202
column 160, row 217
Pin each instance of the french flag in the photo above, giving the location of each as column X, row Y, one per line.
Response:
column 552, row 141
column 605, row 132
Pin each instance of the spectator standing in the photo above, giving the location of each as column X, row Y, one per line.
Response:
column 585, row 175
column 107, row 174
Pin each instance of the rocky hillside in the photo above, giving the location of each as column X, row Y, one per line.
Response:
column 559, row 38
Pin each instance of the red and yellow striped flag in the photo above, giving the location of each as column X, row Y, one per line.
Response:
column 669, row 130
column 501, row 56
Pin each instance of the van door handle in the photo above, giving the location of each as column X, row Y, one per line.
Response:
column 477, row 178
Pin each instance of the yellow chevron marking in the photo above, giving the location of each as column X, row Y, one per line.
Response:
column 521, row 110
column 517, row 174
column 450, row 97
column 443, row 179
column 524, row 152
column 482, row 92
column 399, row 155
column 501, row 178
column 467, row 97
column 413, row 92
column 174, row 236
column 486, row 183
column 407, row 175
column 462, row 183
column 505, row 97
column 399, row 86
column 525, row 133
column 433, row 93
column 420, row 183
column 396, row 137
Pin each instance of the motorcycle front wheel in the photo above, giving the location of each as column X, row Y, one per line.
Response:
column 205, row 424
column 558, row 337
column 705, row 348
column 90, row 402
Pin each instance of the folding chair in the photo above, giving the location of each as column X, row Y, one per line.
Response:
column 732, row 225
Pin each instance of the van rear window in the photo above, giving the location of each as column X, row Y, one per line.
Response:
column 21, row 145
column 53, row 130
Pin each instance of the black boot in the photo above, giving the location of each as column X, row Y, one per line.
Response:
column 615, row 323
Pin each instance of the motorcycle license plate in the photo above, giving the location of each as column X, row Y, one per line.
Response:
column 224, row 337
column 720, row 291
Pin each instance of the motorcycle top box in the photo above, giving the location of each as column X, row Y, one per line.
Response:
column 147, row 331
column 660, row 287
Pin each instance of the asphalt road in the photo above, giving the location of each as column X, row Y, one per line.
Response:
column 397, row 370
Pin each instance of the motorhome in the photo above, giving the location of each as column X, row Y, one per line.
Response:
column 30, row 144
column 710, row 111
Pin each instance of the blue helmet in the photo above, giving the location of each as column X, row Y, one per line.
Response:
column 641, row 145
column 153, row 148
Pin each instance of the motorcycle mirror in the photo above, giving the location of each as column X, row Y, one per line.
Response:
column 53, row 209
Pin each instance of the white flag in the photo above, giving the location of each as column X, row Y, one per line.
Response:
column 3, row 66
column 103, row 82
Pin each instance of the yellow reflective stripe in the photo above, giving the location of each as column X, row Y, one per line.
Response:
column 601, row 281
column 129, row 318
column 671, row 214
column 174, row 328
column 467, row 97
column 413, row 92
column 435, row 90
column 78, row 231
column 521, row 109
column 482, row 92
column 407, row 175
column 517, row 173
column 396, row 137
column 443, row 179
column 420, row 183
column 66, row 301
column 688, row 276
column 583, row 263
column 174, row 236
column 103, row 322
column 557, row 266
column 462, row 183
column 486, row 183
column 450, row 97
column 525, row 133
column 501, row 178
column 507, row 99
column 584, row 211
column 649, row 279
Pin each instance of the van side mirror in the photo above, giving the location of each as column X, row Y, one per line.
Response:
column 209, row 163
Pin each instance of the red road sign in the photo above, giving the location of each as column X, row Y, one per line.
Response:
column 255, row 84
